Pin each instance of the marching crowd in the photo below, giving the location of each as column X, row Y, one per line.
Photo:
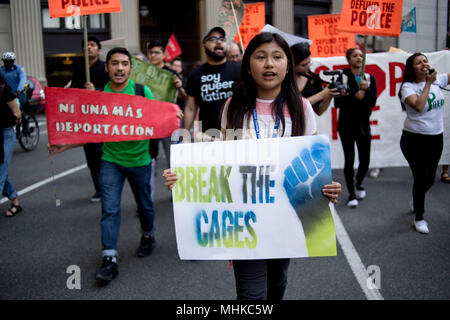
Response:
column 267, row 91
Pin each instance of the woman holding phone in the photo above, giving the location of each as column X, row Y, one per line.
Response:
column 422, row 139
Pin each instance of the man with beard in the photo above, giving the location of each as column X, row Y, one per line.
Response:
column 210, row 85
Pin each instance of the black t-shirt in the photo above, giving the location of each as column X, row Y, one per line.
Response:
column 7, row 118
column 354, row 114
column 211, row 86
column 99, row 77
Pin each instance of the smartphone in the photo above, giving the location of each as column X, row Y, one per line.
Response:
column 430, row 71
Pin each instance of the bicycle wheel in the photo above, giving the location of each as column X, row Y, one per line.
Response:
column 29, row 135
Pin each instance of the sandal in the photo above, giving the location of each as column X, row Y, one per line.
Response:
column 445, row 178
column 15, row 209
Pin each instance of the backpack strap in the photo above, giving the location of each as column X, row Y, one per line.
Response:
column 139, row 90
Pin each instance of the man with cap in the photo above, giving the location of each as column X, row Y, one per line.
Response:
column 210, row 85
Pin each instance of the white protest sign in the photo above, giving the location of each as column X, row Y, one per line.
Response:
column 253, row 199
column 387, row 117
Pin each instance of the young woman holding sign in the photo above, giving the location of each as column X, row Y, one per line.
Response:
column 266, row 103
column 422, row 139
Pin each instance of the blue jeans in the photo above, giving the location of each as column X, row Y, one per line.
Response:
column 6, row 187
column 112, row 178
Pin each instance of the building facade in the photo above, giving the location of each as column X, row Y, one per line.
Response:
column 48, row 47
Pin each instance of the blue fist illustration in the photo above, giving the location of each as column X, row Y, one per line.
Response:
column 307, row 174
column 304, row 179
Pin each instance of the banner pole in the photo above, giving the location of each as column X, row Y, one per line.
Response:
column 237, row 26
column 86, row 53
column 363, row 70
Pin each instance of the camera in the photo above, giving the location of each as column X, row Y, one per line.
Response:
column 336, row 83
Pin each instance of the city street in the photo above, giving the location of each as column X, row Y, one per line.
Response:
column 43, row 242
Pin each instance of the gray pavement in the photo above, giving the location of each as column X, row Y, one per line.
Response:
column 38, row 245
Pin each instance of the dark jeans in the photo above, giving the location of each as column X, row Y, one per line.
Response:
column 363, row 139
column 261, row 279
column 112, row 179
column 93, row 152
column 422, row 153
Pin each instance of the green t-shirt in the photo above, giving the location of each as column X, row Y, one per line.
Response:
column 128, row 153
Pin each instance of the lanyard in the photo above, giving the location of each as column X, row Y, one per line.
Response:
column 255, row 122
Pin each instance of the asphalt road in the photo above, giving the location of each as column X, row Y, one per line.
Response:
column 39, row 245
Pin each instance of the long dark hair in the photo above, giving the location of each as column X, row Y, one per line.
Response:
column 300, row 52
column 409, row 74
column 243, row 99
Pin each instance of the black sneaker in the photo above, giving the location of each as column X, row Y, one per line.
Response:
column 146, row 246
column 96, row 197
column 108, row 271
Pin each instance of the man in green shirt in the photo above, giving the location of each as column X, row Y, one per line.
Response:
column 120, row 160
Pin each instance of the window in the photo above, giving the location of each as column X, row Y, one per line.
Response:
column 95, row 22
column 47, row 22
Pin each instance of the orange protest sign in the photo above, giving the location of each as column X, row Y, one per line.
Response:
column 67, row 8
column 253, row 21
column 367, row 17
column 327, row 41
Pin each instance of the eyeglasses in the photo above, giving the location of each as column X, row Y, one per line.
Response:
column 215, row 39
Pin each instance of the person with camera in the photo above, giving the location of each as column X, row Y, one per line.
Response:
column 309, row 84
column 422, row 138
column 10, row 115
column 355, row 108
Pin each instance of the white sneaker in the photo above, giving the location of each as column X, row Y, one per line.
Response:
column 374, row 173
column 352, row 203
column 360, row 192
column 421, row 226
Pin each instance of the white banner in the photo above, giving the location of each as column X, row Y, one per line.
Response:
column 387, row 117
column 253, row 199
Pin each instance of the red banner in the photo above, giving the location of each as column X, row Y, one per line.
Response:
column 67, row 8
column 172, row 50
column 81, row 116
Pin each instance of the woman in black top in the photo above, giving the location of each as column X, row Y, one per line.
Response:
column 319, row 97
column 355, row 109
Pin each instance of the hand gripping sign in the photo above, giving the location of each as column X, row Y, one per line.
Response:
column 372, row 17
column 67, row 8
column 81, row 116
column 253, row 199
